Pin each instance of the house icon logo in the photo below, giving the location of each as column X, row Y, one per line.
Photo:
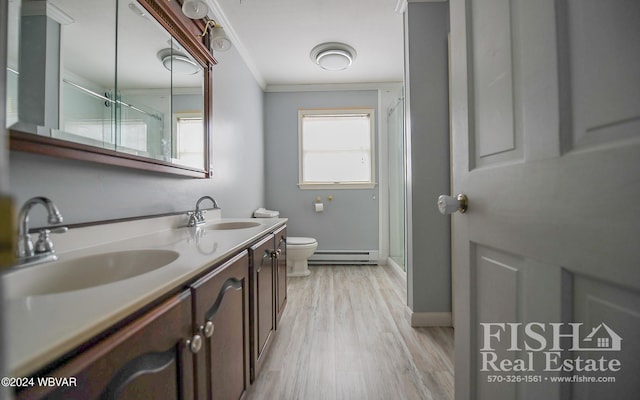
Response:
column 602, row 338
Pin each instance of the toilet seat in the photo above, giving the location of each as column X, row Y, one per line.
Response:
column 300, row 241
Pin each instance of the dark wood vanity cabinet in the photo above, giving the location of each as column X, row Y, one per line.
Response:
column 221, row 313
column 262, row 273
column 268, row 272
column 207, row 342
column 150, row 358
column 281, row 272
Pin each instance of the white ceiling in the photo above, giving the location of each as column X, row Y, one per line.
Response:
column 275, row 38
column 88, row 46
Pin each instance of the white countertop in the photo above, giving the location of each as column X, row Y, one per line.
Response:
column 45, row 327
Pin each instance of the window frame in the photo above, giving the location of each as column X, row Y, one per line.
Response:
column 176, row 117
column 371, row 184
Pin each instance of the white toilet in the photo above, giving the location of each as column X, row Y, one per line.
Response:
column 299, row 249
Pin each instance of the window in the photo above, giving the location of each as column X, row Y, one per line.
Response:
column 133, row 135
column 336, row 149
column 189, row 145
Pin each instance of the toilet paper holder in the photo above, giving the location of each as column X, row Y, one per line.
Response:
column 318, row 205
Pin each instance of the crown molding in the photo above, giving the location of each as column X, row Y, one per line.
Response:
column 333, row 87
column 220, row 18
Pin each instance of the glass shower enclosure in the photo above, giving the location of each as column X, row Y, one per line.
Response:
column 397, row 182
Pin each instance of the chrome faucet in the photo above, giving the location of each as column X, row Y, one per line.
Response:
column 196, row 218
column 43, row 250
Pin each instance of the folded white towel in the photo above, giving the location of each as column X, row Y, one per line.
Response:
column 264, row 213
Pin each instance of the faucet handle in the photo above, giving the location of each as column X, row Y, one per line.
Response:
column 44, row 243
column 193, row 218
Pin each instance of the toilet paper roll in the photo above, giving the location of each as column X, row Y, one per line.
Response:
column 319, row 207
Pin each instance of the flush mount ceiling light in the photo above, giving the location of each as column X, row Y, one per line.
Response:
column 177, row 62
column 195, row 9
column 333, row 56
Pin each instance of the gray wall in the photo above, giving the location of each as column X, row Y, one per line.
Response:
column 39, row 71
column 350, row 221
column 89, row 192
column 429, row 266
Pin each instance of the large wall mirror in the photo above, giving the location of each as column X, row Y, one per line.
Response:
column 122, row 82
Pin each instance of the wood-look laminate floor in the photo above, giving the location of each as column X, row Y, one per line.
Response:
column 344, row 335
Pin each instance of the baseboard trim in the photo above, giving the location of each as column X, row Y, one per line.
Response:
column 396, row 268
column 428, row 319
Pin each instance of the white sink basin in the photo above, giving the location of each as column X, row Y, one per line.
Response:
column 232, row 225
column 84, row 272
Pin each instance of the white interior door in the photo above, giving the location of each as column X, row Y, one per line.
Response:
column 545, row 99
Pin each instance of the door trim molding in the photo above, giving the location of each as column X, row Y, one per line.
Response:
column 428, row 319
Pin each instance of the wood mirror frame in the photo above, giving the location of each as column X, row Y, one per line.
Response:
column 189, row 33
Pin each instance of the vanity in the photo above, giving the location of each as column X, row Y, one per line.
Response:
column 147, row 308
column 196, row 323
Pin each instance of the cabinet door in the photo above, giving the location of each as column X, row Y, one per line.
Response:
column 281, row 272
column 147, row 359
column 263, row 300
column 221, row 309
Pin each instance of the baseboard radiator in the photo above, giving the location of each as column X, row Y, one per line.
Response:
column 344, row 257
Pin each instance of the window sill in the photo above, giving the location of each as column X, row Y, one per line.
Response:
column 333, row 186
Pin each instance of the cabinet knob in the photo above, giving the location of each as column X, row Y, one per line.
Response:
column 195, row 343
column 267, row 254
column 208, row 329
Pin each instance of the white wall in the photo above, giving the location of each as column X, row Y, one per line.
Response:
column 86, row 191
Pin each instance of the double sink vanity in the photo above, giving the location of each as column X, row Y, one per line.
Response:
column 167, row 307
column 149, row 308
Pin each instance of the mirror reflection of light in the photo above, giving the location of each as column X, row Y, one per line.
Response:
column 137, row 10
column 180, row 64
